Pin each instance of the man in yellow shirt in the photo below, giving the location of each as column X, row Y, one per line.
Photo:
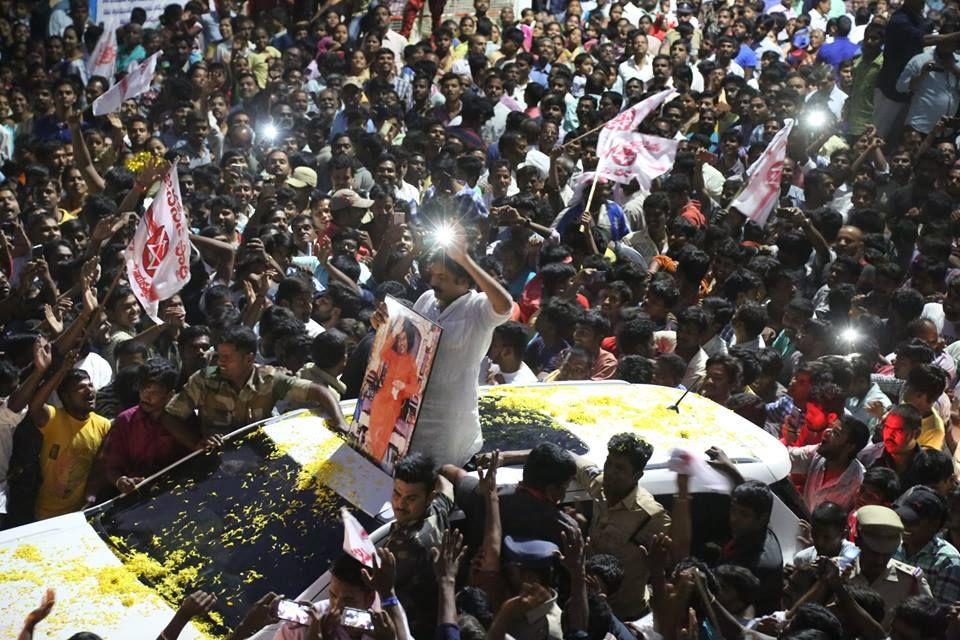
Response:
column 72, row 436
column 925, row 384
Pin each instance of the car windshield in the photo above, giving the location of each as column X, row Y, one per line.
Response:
column 240, row 523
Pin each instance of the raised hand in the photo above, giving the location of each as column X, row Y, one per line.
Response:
column 384, row 575
column 572, row 556
column 383, row 628
column 36, row 616
column 380, row 316
column 487, row 474
column 42, row 355
column 446, row 557
column 532, row 595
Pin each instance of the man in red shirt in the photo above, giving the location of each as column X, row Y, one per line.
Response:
column 591, row 329
column 138, row 445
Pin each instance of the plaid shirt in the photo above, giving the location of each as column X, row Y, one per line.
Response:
column 940, row 562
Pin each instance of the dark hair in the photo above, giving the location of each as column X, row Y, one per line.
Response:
column 347, row 569
column 160, row 372
column 328, row 348
column 513, row 335
column 720, row 310
column 664, row 289
column 675, row 364
column 910, row 416
column 596, row 321
column 857, row 432
column 72, row 378
column 695, row 316
column 928, row 379
column 885, row 480
column 242, row 338
column 637, row 450
column 923, row 614
column 754, row 495
column 741, row 580
column 932, row 467
column 816, row 616
column 868, row 599
column 732, row 366
column 918, row 351
column 608, row 568
column 635, row 332
column 829, row 514
column 548, row 465
column 635, row 369
column 417, row 468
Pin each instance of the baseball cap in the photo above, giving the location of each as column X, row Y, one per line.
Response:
column 879, row 528
column 536, row 554
column 920, row 503
column 303, row 177
column 352, row 81
column 348, row 198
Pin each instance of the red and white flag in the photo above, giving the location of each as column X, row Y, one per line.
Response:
column 625, row 156
column 630, row 119
column 103, row 60
column 132, row 85
column 762, row 192
column 356, row 541
column 158, row 257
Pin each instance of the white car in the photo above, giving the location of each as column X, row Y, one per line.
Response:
column 263, row 513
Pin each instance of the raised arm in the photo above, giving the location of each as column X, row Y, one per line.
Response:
column 492, row 530
column 94, row 180
column 499, row 299
column 38, row 403
column 42, row 357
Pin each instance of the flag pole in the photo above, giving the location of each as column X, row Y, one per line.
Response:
column 593, row 188
column 600, row 126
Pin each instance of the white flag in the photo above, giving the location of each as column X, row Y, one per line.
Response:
column 763, row 189
column 689, row 463
column 158, row 257
column 625, row 156
column 132, row 85
column 630, row 119
column 103, row 61
column 356, row 541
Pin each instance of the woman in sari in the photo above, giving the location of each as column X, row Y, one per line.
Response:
column 399, row 382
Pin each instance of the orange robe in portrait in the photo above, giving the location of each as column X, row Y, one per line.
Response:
column 385, row 408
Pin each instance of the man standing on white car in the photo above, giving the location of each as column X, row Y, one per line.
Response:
column 448, row 427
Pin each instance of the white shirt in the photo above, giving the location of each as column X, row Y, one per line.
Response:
column 314, row 328
column 8, row 423
column 396, row 43
column 937, row 95
column 448, row 427
column 630, row 69
column 696, row 371
column 816, row 489
column 523, row 375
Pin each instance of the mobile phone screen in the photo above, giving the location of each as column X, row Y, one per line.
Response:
column 293, row 612
column 356, row 618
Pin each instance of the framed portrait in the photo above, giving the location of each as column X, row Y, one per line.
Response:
column 393, row 384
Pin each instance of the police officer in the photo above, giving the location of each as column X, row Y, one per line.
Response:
column 878, row 535
column 237, row 391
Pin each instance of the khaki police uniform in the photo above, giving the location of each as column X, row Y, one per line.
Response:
column 223, row 408
column 620, row 529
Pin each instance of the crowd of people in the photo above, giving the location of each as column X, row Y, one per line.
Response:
column 331, row 154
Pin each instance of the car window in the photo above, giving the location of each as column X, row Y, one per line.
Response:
column 507, row 428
